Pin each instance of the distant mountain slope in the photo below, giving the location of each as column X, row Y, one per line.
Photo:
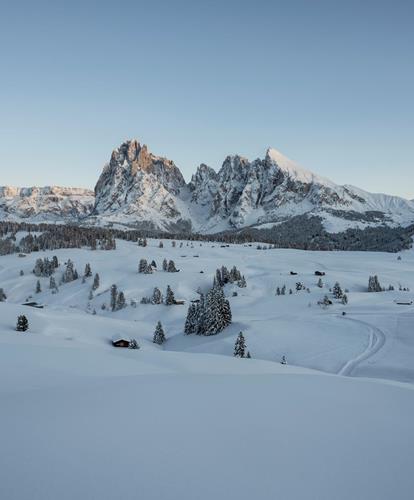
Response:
column 51, row 203
column 141, row 190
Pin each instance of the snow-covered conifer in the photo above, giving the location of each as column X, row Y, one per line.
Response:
column 240, row 346
column 22, row 323
column 159, row 335
column 169, row 297
column 95, row 284
column 156, row 296
column 114, row 297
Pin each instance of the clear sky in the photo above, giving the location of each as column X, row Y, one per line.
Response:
column 328, row 83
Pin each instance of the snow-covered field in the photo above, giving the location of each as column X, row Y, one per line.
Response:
column 81, row 419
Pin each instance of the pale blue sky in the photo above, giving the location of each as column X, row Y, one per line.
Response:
column 328, row 83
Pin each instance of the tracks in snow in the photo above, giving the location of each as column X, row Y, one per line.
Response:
column 376, row 341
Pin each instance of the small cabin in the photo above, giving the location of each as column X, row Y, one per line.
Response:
column 33, row 304
column 120, row 341
column 179, row 302
column 319, row 273
column 404, row 302
column 292, row 273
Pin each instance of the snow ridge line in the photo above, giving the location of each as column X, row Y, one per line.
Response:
column 376, row 341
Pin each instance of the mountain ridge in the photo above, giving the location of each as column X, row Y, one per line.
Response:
column 140, row 189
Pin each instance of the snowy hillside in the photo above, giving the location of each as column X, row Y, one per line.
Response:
column 118, row 420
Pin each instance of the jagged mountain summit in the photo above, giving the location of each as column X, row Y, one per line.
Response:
column 45, row 204
column 140, row 189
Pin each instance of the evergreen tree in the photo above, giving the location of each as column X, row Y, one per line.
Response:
column 133, row 344
column 3, row 296
column 114, row 297
column 88, row 271
column 22, row 323
column 153, row 264
column 373, row 284
column 159, row 335
column 70, row 274
column 52, row 284
column 21, row 272
column 120, row 302
column 200, row 316
column 240, row 346
column 55, row 262
column 169, row 297
column 157, row 296
column 171, row 267
column 242, row 282
column 337, row 291
column 217, row 311
column 277, row 291
column 320, row 283
column 283, row 290
column 191, row 320
column 248, row 355
column 95, row 284
column 143, row 266
column 164, row 265
column 90, row 296
column 161, row 244
column 38, row 287
column 344, row 299
column 283, row 360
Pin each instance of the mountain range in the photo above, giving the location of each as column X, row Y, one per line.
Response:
column 139, row 189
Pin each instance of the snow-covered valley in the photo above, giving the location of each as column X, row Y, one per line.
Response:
column 83, row 419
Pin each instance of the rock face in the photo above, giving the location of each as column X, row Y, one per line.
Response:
column 139, row 188
column 43, row 204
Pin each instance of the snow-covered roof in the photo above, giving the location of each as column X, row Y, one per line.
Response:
column 120, row 336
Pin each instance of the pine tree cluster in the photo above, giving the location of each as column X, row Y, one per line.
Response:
column 210, row 315
column 45, row 267
column 117, row 301
column 224, row 276
column 374, row 285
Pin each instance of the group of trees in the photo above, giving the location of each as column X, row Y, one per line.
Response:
column 45, row 267
column 224, row 276
column 53, row 236
column 282, row 290
column 117, row 300
column 374, row 284
column 210, row 315
column 146, row 268
column 157, row 297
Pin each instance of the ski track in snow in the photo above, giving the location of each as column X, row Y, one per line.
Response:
column 376, row 341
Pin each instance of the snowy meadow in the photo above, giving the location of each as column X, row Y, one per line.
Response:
column 182, row 417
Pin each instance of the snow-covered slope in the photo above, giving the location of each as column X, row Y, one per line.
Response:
column 50, row 203
column 186, row 420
